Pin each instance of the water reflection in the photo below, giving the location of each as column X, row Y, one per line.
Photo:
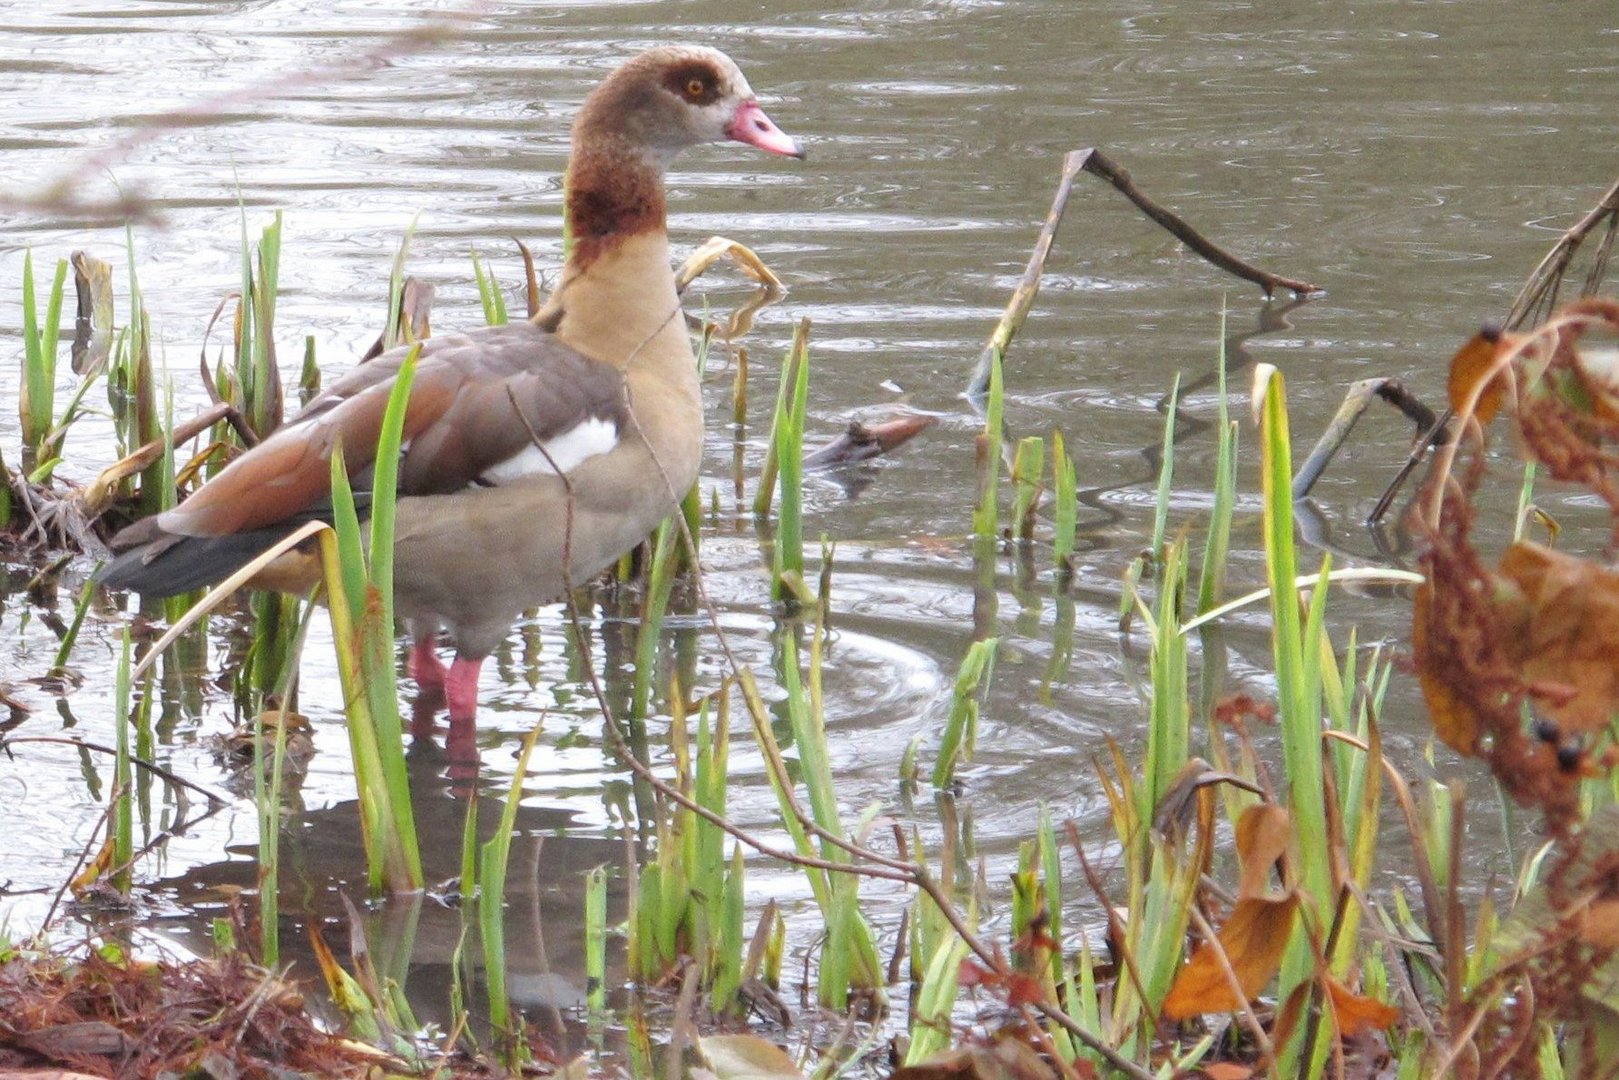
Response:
column 417, row 940
column 1340, row 147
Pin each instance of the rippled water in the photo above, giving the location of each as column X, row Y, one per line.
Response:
column 1415, row 159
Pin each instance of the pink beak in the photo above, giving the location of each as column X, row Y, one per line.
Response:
column 750, row 125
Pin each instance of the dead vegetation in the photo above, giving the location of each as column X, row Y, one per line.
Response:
column 104, row 1014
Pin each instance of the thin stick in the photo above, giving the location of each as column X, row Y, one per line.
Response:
column 151, row 767
column 1099, row 164
column 1017, row 308
column 58, row 196
column 1541, row 287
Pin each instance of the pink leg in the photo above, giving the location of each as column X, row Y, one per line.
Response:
column 461, row 747
column 424, row 665
column 461, row 689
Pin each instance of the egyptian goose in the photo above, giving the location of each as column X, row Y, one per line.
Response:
column 594, row 400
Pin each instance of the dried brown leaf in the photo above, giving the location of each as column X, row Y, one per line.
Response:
column 1571, row 635
column 1263, row 833
column 1226, row 1070
column 1254, row 939
column 1452, row 715
column 1473, row 364
column 1357, row 1013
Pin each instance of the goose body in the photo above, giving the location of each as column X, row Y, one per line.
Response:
column 536, row 453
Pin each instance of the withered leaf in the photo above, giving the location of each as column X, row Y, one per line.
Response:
column 1571, row 635
column 1255, row 935
column 1357, row 1013
column 1254, row 939
column 747, row 1057
column 1263, row 833
column 1599, row 924
column 1007, row 1059
column 1473, row 363
column 1598, row 370
column 1454, row 719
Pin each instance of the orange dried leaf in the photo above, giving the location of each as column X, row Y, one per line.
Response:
column 1022, row 989
column 1571, row 635
column 1453, row 719
column 1254, row 938
column 1227, row 1070
column 95, row 870
column 1263, row 833
column 1357, row 1013
column 1599, row 925
column 1473, row 363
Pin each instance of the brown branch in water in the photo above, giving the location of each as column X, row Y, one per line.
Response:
column 862, row 442
column 1429, row 425
column 1539, row 292
column 1017, row 308
column 1099, row 164
column 1537, row 297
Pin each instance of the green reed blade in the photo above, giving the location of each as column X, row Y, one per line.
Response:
column 489, row 292
column 788, row 556
column 731, row 938
column 494, row 858
column 1166, row 470
column 986, row 517
column 930, row 1020
column 960, row 735
column 1028, row 476
column 1298, row 685
column 1170, row 716
column 36, row 400
column 1217, row 543
column 123, row 791
column 596, row 945
column 1065, row 511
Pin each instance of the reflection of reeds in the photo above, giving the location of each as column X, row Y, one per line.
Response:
column 986, row 516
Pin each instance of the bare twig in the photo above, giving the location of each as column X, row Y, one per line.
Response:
column 1539, row 292
column 152, row 767
column 1535, row 299
column 1099, row 164
column 60, row 196
column 1429, row 425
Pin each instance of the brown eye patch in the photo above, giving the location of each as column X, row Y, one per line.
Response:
column 697, row 83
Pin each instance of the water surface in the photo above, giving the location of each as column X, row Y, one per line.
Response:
column 1415, row 159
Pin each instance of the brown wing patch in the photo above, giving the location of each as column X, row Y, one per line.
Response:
column 473, row 404
column 493, row 421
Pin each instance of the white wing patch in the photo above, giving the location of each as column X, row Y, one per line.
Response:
column 560, row 454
